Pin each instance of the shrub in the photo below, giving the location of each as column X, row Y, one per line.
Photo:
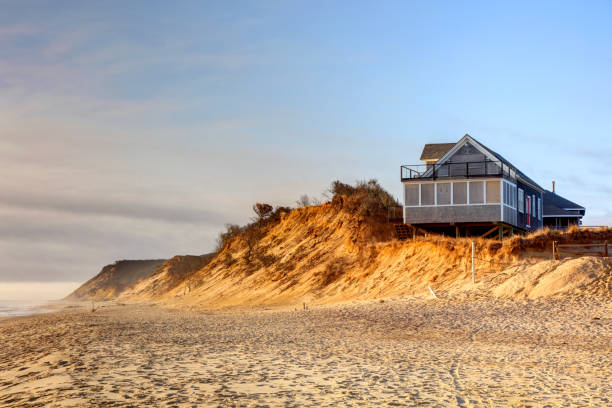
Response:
column 225, row 237
column 304, row 201
column 373, row 199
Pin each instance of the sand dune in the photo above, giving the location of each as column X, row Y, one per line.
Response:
column 326, row 254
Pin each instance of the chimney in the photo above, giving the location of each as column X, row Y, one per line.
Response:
column 553, row 190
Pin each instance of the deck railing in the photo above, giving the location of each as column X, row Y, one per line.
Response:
column 486, row 168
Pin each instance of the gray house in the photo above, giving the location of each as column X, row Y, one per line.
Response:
column 559, row 212
column 465, row 188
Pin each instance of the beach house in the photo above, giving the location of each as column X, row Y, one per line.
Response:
column 465, row 188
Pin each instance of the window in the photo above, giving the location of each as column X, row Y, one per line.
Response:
column 427, row 194
column 476, row 192
column 476, row 169
column 533, row 206
column 443, row 193
column 493, row 191
column 411, row 194
column 521, row 200
column 540, row 209
column 460, row 192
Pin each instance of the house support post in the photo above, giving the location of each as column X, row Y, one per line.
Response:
column 501, row 232
column 457, row 231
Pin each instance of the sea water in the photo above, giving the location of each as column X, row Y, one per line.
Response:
column 25, row 298
column 9, row 308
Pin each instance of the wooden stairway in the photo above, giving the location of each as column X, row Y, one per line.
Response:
column 403, row 231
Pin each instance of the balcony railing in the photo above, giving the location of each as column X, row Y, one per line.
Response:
column 481, row 168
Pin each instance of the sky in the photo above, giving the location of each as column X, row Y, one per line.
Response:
column 135, row 130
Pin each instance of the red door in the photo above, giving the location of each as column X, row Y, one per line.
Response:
column 528, row 211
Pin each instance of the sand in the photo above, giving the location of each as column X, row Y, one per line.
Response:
column 454, row 351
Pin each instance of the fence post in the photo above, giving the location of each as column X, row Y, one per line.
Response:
column 606, row 248
column 555, row 250
column 473, row 265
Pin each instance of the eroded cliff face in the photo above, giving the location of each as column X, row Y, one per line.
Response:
column 330, row 253
column 114, row 279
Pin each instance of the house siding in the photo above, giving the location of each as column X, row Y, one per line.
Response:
column 452, row 214
column 535, row 223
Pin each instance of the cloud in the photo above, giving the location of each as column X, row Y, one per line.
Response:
column 103, row 206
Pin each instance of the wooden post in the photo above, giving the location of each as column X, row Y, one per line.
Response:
column 606, row 248
column 555, row 250
column 473, row 264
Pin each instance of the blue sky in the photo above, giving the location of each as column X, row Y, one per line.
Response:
column 138, row 129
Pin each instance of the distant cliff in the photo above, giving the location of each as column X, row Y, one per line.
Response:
column 115, row 278
column 140, row 279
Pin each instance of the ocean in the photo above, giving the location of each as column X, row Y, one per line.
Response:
column 9, row 308
column 31, row 297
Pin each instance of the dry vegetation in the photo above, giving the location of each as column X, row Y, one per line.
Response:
column 340, row 250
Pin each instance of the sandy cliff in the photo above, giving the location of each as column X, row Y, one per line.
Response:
column 113, row 279
column 329, row 253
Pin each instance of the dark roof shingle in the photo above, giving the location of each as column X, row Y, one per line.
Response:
column 434, row 151
column 554, row 204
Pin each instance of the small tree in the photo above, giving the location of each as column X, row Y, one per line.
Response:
column 304, row 201
column 263, row 211
column 231, row 231
column 252, row 235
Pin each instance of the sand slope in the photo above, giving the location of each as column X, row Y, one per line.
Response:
column 585, row 275
column 328, row 253
column 115, row 278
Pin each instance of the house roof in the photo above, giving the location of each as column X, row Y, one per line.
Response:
column 506, row 162
column 494, row 154
column 555, row 205
column 434, row 151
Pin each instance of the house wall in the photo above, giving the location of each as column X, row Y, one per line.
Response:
column 449, row 201
column 535, row 219
column 509, row 202
column 452, row 214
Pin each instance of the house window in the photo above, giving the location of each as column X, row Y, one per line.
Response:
column 476, row 169
column 411, row 194
column 493, row 191
column 476, row 192
column 427, row 194
column 460, row 192
column 533, row 206
column 540, row 209
column 509, row 195
column 443, row 193
column 521, row 200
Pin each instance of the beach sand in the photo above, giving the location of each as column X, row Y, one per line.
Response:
column 453, row 351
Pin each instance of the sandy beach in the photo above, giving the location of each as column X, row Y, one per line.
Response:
column 397, row 352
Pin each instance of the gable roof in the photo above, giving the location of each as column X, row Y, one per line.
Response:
column 434, row 151
column 491, row 154
column 554, row 204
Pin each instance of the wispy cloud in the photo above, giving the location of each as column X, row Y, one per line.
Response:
column 91, row 205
